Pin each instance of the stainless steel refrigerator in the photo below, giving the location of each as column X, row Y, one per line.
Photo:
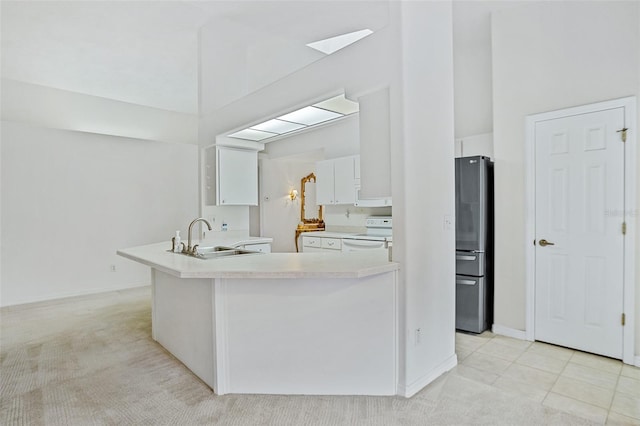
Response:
column 474, row 243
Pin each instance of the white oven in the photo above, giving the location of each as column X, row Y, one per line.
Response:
column 376, row 240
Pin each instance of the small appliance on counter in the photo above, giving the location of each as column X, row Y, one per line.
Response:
column 474, row 243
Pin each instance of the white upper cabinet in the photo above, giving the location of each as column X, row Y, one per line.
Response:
column 344, row 183
column 336, row 181
column 230, row 176
column 324, row 182
column 375, row 145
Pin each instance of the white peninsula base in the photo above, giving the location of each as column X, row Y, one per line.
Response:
column 333, row 336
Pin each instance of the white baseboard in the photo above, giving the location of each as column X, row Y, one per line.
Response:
column 74, row 294
column 423, row 381
column 509, row 332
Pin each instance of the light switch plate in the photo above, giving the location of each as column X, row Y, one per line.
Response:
column 448, row 223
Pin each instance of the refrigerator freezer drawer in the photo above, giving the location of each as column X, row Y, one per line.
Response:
column 470, row 263
column 471, row 304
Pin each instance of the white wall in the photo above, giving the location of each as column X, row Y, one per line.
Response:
column 279, row 214
column 71, row 199
column 338, row 139
column 412, row 56
column 548, row 56
column 61, row 109
column 637, row 212
column 423, row 135
column 290, row 159
column 472, row 67
column 358, row 67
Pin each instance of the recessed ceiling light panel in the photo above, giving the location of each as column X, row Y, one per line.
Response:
column 252, row 135
column 310, row 115
column 339, row 104
column 278, row 126
column 333, row 44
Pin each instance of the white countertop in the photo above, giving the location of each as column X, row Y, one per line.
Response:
column 261, row 265
column 329, row 234
column 332, row 234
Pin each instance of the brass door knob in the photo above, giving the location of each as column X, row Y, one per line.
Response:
column 545, row 243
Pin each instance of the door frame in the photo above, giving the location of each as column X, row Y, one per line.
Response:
column 629, row 216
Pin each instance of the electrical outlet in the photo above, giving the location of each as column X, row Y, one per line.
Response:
column 112, row 268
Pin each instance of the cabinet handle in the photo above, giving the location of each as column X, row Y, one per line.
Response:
column 459, row 257
column 465, row 282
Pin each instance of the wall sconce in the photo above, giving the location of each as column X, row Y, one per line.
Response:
column 293, row 194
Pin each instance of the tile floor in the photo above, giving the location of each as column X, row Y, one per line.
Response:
column 599, row 389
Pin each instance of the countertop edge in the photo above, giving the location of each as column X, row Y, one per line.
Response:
column 362, row 273
column 151, row 264
column 139, row 255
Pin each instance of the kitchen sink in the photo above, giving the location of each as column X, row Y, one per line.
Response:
column 217, row 252
column 220, row 252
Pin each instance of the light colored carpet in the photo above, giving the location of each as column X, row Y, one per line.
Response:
column 91, row 360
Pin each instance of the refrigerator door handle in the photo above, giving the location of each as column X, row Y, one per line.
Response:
column 465, row 282
column 461, row 257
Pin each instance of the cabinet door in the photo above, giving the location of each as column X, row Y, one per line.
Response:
column 324, row 182
column 209, row 175
column 311, row 244
column 344, row 184
column 375, row 145
column 237, row 177
column 260, row 247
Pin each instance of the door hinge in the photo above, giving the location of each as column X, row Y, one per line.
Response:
column 623, row 134
column 624, row 228
column 623, row 319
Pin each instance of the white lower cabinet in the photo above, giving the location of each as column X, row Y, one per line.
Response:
column 311, row 244
column 331, row 243
column 260, row 247
column 321, row 244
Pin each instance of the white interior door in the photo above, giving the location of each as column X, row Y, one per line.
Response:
column 579, row 197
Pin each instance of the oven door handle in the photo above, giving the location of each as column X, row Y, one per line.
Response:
column 364, row 243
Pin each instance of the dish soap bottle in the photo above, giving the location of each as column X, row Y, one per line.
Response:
column 177, row 243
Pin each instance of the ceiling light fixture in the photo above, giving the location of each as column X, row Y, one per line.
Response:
column 303, row 118
column 252, row 135
column 310, row 115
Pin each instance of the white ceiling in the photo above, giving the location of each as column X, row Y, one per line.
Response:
column 146, row 52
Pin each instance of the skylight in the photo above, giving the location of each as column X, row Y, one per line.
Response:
column 333, row 44
column 321, row 112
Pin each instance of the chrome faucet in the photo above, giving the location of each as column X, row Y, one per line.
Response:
column 192, row 250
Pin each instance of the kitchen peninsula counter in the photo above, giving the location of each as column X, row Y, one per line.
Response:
column 260, row 265
column 277, row 323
